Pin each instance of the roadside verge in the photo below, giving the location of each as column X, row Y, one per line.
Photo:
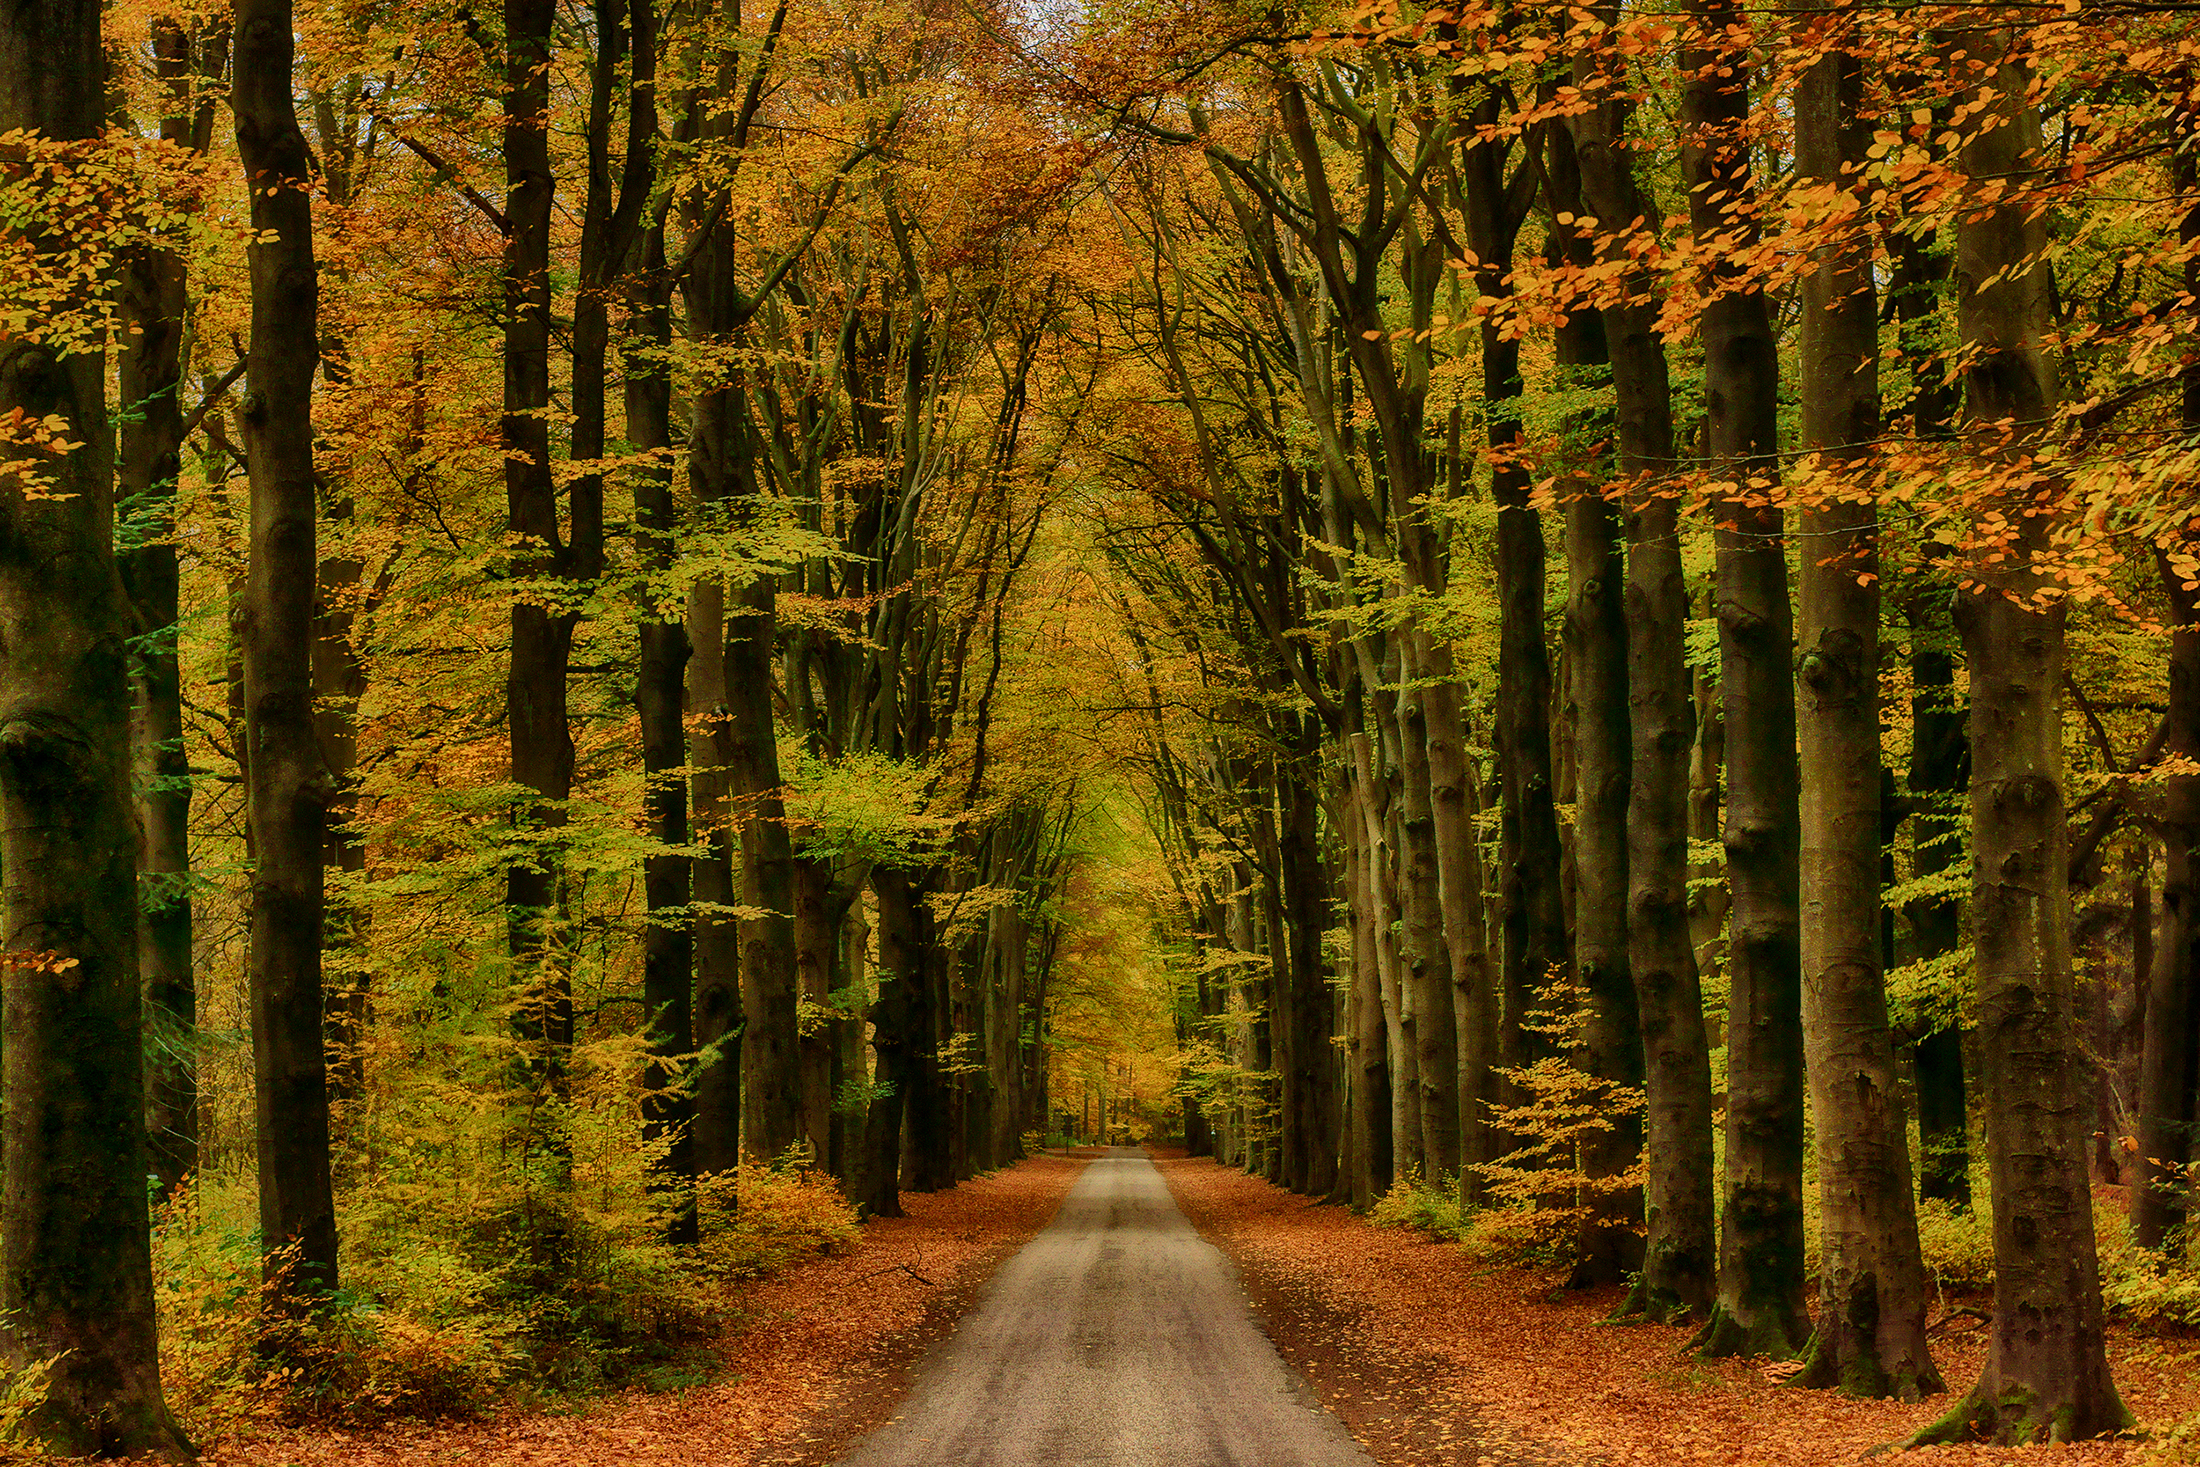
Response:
column 822, row 1354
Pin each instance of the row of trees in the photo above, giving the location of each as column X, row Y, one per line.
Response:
column 698, row 755
column 1786, row 322
column 645, row 662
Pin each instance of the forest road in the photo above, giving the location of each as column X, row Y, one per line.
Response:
column 1117, row 1338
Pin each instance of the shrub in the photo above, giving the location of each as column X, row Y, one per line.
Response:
column 1958, row 1245
column 1412, row 1203
column 782, row 1215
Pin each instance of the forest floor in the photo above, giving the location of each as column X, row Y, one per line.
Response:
column 822, row 1354
column 1433, row 1357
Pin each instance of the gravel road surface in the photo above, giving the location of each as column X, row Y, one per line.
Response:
column 1116, row 1338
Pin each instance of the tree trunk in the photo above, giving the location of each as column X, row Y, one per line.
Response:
column 896, row 1020
column 851, row 1073
column 1760, row 1308
column 1369, row 1077
column 1938, row 756
column 1680, row 1254
column 1427, row 956
column 1871, row 1316
column 770, row 1056
column 816, row 934
column 153, row 292
column 287, row 784
column 2169, row 1067
column 541, row 743
column 1608, row 1245
column 2046, row 1376
column 1473, row 1001
column 716, row 1011
column 75, row 1261
column 668, row 939
column 1533, row 931
column 2169, row 1073
column 1306, row 892
column 929, row 1108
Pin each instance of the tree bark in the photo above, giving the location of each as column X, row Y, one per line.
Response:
column 2046, row 1375
column 1307, row 891
column 287, row 784
column 1760, row 1309
column 75, row 1259
column 668, row 940
column 2169, row 1066
column 896, row 1020
column 1533, row 923
column 1427, row 972
column 154, row 296
column 1871, row 1316
column 1939, row 755
column 1680, row 1255
column 716, row 1001
column 541, row 743
column 1369, row 1076
column 1608, row 1244
column 815, row 934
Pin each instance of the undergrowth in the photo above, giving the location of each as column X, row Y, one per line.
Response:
column 490, row 1298
column 2158, row 1292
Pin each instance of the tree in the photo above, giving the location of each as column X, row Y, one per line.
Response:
column 287, row 781
column 1680, row 1256
column 75, row 1260
column 1760, row 1308
column 2046, row 1376
column 1871, row 1320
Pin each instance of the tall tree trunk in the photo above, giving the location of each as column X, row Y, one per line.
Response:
column 1680, row 1254
column 1473, row 999
column 816, row 936
column 896, row 1021
column 541, row 743
column 851, row 1073
column 1369, row 1077
column 2169, row 1074
column 1379, row 823
column 153, row 292
column 1871, row 1317
column 1533, row 933
column 1306, row 892
column 716, row 1002
column 929, row 1108
column 1427, row 958
column 2046, row 1375
column 1608, row 1245
column 75, row 1258
column 287, row 782
column 1939, row 755
column 668, row 939
column 770, row 1043
column 1760, row 1308
column 2169, row 1067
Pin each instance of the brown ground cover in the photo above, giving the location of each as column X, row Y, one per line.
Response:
column 821, row 1356
column 1434, row 1358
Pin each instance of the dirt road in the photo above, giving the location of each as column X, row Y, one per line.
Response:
column 1116, row 1338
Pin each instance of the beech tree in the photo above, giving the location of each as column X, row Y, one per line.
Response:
column 287, row 782
column 1870, row 1330
column 75, row 1266
column 2047, row 1377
